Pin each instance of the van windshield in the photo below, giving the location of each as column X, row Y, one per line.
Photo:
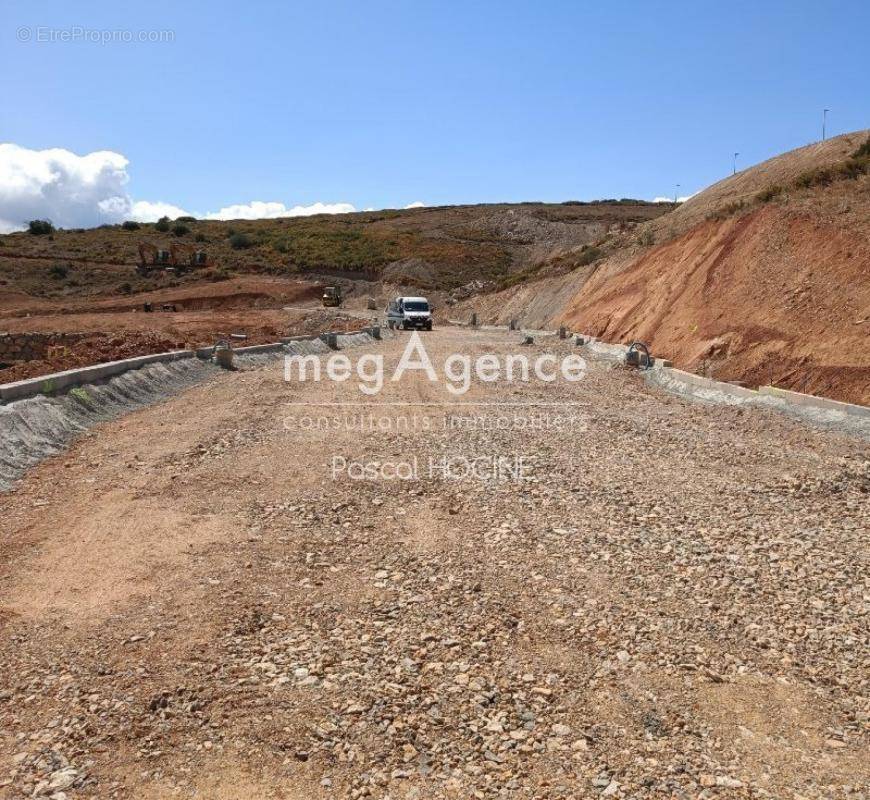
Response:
column 415, row 305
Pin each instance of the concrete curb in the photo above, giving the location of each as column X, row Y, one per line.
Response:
column 58, row 381
column 50, row 384
column 700, row 387
column 259, row 348
column 708, row 383
column 813, row 401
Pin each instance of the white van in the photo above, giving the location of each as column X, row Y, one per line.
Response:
column 409, row 312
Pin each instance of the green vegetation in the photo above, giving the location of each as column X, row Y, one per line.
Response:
column 162, row 225
column 130, row 225
column 321, row 245
column 520, row 276
column 855, row 166
column 200, row 237
column 40, row 227
column 588, row 254
column 185, row 219
column 726, row 211
column 58, row 271
column 180, row 229
column 768, row 194
column 863, row 150
column 81, row 394
column 240, row 241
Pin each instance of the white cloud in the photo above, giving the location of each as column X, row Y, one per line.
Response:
column 84, row 191
column 671, row 199
column 148, row 211
column 72, row 191
column 415, row 204
column 258, row 209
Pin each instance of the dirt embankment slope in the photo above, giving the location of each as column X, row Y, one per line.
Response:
column 774, row 296
column 764, row 292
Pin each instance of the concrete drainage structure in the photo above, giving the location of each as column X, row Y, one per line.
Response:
column 821, row 411
column 39, row 417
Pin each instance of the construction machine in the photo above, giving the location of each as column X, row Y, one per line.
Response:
column 332, row 296
column 186, row 257
column 152, row 258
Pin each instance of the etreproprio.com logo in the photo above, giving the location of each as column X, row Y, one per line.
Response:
column 456, row 373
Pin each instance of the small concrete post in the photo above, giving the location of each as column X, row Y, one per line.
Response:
column 330, row 339
column 563, row 332
column 473, row 319
column 375, row 331
column 512, row 325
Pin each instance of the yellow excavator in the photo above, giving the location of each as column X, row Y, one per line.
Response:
column 186, row 257
column 152, row 258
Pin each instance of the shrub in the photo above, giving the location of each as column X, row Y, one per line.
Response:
column 58, row 271
column 588, row 255
column 180, row 230
column 854, row 167
column 130, row 225
column 200, row 237
column 863, row 151
column 40, row 227
column 726, row 211
column 646, row 239
column 125, row 288
column 241, row 241
column 185, row 219
column 766, row 195
column 821, row 176
column 162, row 224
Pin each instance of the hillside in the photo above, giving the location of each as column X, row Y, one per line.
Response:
column 762, row 278
column 267, row 275
column 434, row 248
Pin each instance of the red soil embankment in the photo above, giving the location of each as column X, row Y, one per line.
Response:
column 773, row 296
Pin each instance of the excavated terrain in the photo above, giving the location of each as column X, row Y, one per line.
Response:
column 733, row 284
column 671, row 603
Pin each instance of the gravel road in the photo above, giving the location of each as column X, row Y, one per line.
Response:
column 262, row 589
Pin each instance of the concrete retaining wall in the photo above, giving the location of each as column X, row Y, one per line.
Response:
column 817, row 410
column 811, row 401
column 729, row 390
column 58, row 381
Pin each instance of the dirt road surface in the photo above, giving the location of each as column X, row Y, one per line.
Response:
column 652, row 599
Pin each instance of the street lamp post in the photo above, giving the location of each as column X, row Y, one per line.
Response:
column 734, row 166
column 824, row 121
column 676, row 192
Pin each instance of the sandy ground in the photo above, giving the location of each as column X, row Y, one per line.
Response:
column 671, row 604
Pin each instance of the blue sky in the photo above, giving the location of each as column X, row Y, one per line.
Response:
column 381, row 104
